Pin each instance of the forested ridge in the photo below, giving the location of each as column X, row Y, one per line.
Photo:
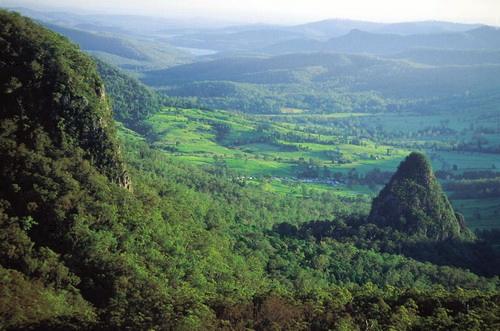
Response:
column 101, row 230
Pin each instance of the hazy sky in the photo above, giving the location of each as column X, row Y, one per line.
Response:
column 287, row 11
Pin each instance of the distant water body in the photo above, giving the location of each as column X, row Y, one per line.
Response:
column 197, row 51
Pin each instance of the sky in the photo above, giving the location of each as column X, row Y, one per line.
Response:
column 288, row 11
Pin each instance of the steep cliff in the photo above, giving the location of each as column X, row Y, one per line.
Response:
column 48, row 85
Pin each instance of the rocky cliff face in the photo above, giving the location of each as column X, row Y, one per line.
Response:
column 413, row 202
column 47, row 84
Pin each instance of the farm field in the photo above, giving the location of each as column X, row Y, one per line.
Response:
column 479, row 213
column 255, row 147
column 296, row 153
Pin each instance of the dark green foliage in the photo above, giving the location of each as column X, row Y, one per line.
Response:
column 56, row 133
column 132, row 101
column 478, row 188
column 479, row 256
column 27, row 303
column 328, row 83
column 367, row 308
column 414, row 203
column 49, row 85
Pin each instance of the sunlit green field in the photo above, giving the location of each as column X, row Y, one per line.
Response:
column 480, row 213
column 246, row 149
column 191, row 133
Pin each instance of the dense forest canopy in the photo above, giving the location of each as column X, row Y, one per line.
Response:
column 112, row 226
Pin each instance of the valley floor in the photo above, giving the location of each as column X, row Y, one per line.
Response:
column 341, row 153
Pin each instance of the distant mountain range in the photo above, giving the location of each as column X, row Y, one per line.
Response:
column 332, row 35
column 358, row 41
column 337, row 27
column 324, row 29
column 315, row 36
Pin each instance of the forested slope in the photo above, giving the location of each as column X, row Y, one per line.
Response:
column 326, row 82
column 132, row 101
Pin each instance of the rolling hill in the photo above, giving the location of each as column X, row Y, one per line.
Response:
column 95, row 42
column 332, row 82
column 278, row 38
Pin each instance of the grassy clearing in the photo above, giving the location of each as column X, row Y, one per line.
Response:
column 191, row 134
column 480, row 213
column 270, row 149
column 465, row 160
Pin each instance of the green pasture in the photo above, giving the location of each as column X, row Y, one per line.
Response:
column 189, row 135
column 479, row 213
column 192, row 135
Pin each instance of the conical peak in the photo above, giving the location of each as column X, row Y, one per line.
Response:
column 415, row 167
column 413, row 202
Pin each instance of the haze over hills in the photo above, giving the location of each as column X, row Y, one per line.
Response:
column 267, row 38
column 358, row 41
column 449, row 57
column 213, row 36
column 94, row 42
column 135, row 24
column 127, row 35
column 114, row 43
